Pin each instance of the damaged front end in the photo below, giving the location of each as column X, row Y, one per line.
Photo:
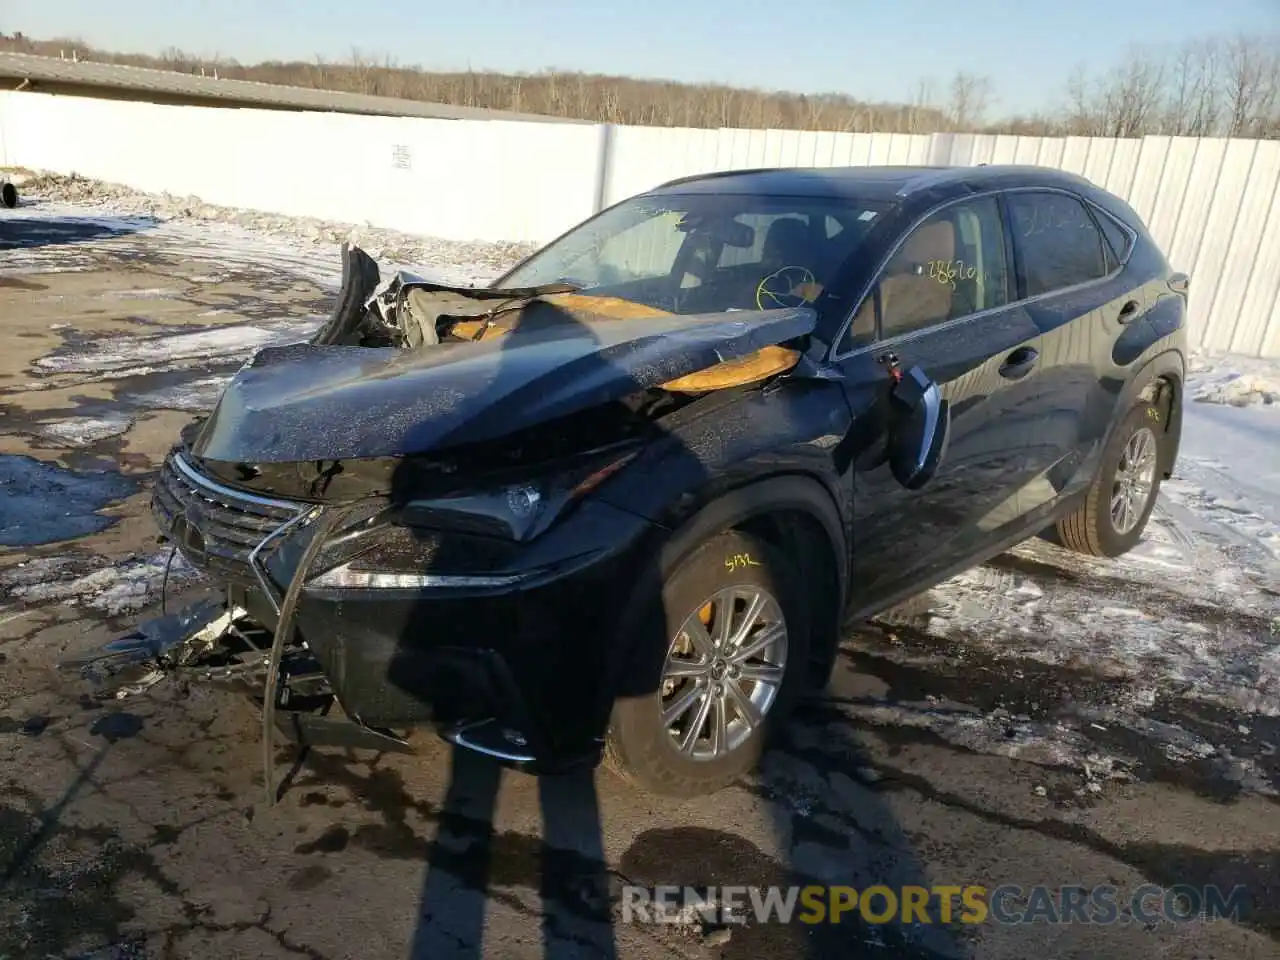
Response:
column 402, row 510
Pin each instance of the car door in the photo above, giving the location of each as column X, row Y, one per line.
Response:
column 945, row 300
column 1069, row 275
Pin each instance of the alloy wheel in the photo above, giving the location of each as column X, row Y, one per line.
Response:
column 1134, row 480
column 723, row 671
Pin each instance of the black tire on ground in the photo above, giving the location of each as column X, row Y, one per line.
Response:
column 639, row 747
column 8, row 195
column 1090, row 529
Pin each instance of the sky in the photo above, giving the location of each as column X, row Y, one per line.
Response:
column 870, row 49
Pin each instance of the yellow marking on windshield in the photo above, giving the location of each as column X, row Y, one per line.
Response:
column 791, row 281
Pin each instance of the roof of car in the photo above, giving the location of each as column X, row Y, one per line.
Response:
column 867, row 183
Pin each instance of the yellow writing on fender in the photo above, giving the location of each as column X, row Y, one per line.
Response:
column 883, row 904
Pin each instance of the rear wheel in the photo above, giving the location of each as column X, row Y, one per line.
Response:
column 736, row 632
column 1119, row 502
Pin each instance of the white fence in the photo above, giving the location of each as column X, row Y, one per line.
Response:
column 1212, row 204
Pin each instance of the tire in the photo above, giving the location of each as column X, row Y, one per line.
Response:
column 639, row 746
column 1091, row 528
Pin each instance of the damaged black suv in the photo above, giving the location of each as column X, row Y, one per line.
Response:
column 619, row 503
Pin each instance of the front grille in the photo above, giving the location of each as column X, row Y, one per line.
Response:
column 215, row 526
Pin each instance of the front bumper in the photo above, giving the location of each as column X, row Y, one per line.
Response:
column 518, row 672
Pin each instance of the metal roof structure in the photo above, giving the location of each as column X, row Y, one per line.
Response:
column 88, row 78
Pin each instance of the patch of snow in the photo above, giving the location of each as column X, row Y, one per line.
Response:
column 1233, row 380
column 1190, row 615
column 85, row 431
column 148, row 293
column 309, row 241
column 1203, row 636
column 110, row 588
column 217, row 344
column 196, row 395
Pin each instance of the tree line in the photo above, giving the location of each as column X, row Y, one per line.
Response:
column 1212, row 86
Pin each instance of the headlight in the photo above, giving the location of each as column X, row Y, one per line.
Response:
column 517, row 511
column 465, row 540
column 512, row 512
column 398, row 557
column 347, row 577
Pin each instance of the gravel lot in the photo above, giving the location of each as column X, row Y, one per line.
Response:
column 1040, row 720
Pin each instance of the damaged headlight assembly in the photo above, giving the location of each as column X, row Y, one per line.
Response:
column 419, row 553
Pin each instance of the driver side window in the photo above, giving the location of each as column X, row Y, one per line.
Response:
column 950, row 266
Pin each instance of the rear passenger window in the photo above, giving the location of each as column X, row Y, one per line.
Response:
column 1058, row 242
column 950, row 266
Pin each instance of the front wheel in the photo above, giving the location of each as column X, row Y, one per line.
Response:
column 736, row 641
column 1119, row 501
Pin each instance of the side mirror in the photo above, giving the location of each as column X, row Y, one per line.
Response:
column 919, row 428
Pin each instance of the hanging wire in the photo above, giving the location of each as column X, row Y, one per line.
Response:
column 164, row 582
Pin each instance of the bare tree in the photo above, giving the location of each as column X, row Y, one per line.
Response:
column 1244, row 69
column 921, row 107
column 1207, row 87
column 970, row 97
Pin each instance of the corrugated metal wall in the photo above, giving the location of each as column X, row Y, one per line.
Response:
column 1211, row 204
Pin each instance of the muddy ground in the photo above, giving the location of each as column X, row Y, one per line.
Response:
column 139, row 830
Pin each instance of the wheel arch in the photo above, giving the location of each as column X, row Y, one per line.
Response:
column 795, row 512
column 1160, row 382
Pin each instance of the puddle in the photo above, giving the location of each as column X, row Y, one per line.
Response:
column 45, row 503
column 55, row 231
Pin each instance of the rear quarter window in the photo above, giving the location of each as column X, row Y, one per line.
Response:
column 1119, row 239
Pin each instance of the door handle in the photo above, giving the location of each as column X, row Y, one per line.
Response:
column 1129, row 312
column 1019, row 363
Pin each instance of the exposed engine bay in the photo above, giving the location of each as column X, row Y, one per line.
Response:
column 410, row 312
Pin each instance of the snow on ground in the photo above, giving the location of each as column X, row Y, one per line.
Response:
column 94, row 582
column 132, row 353
column 195, row 395
column 1185, row 605
column 85, row 431
column 1232, row 380
column 274, row 239
column 1109, row 662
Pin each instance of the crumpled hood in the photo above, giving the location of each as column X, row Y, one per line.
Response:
column 309, row 402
